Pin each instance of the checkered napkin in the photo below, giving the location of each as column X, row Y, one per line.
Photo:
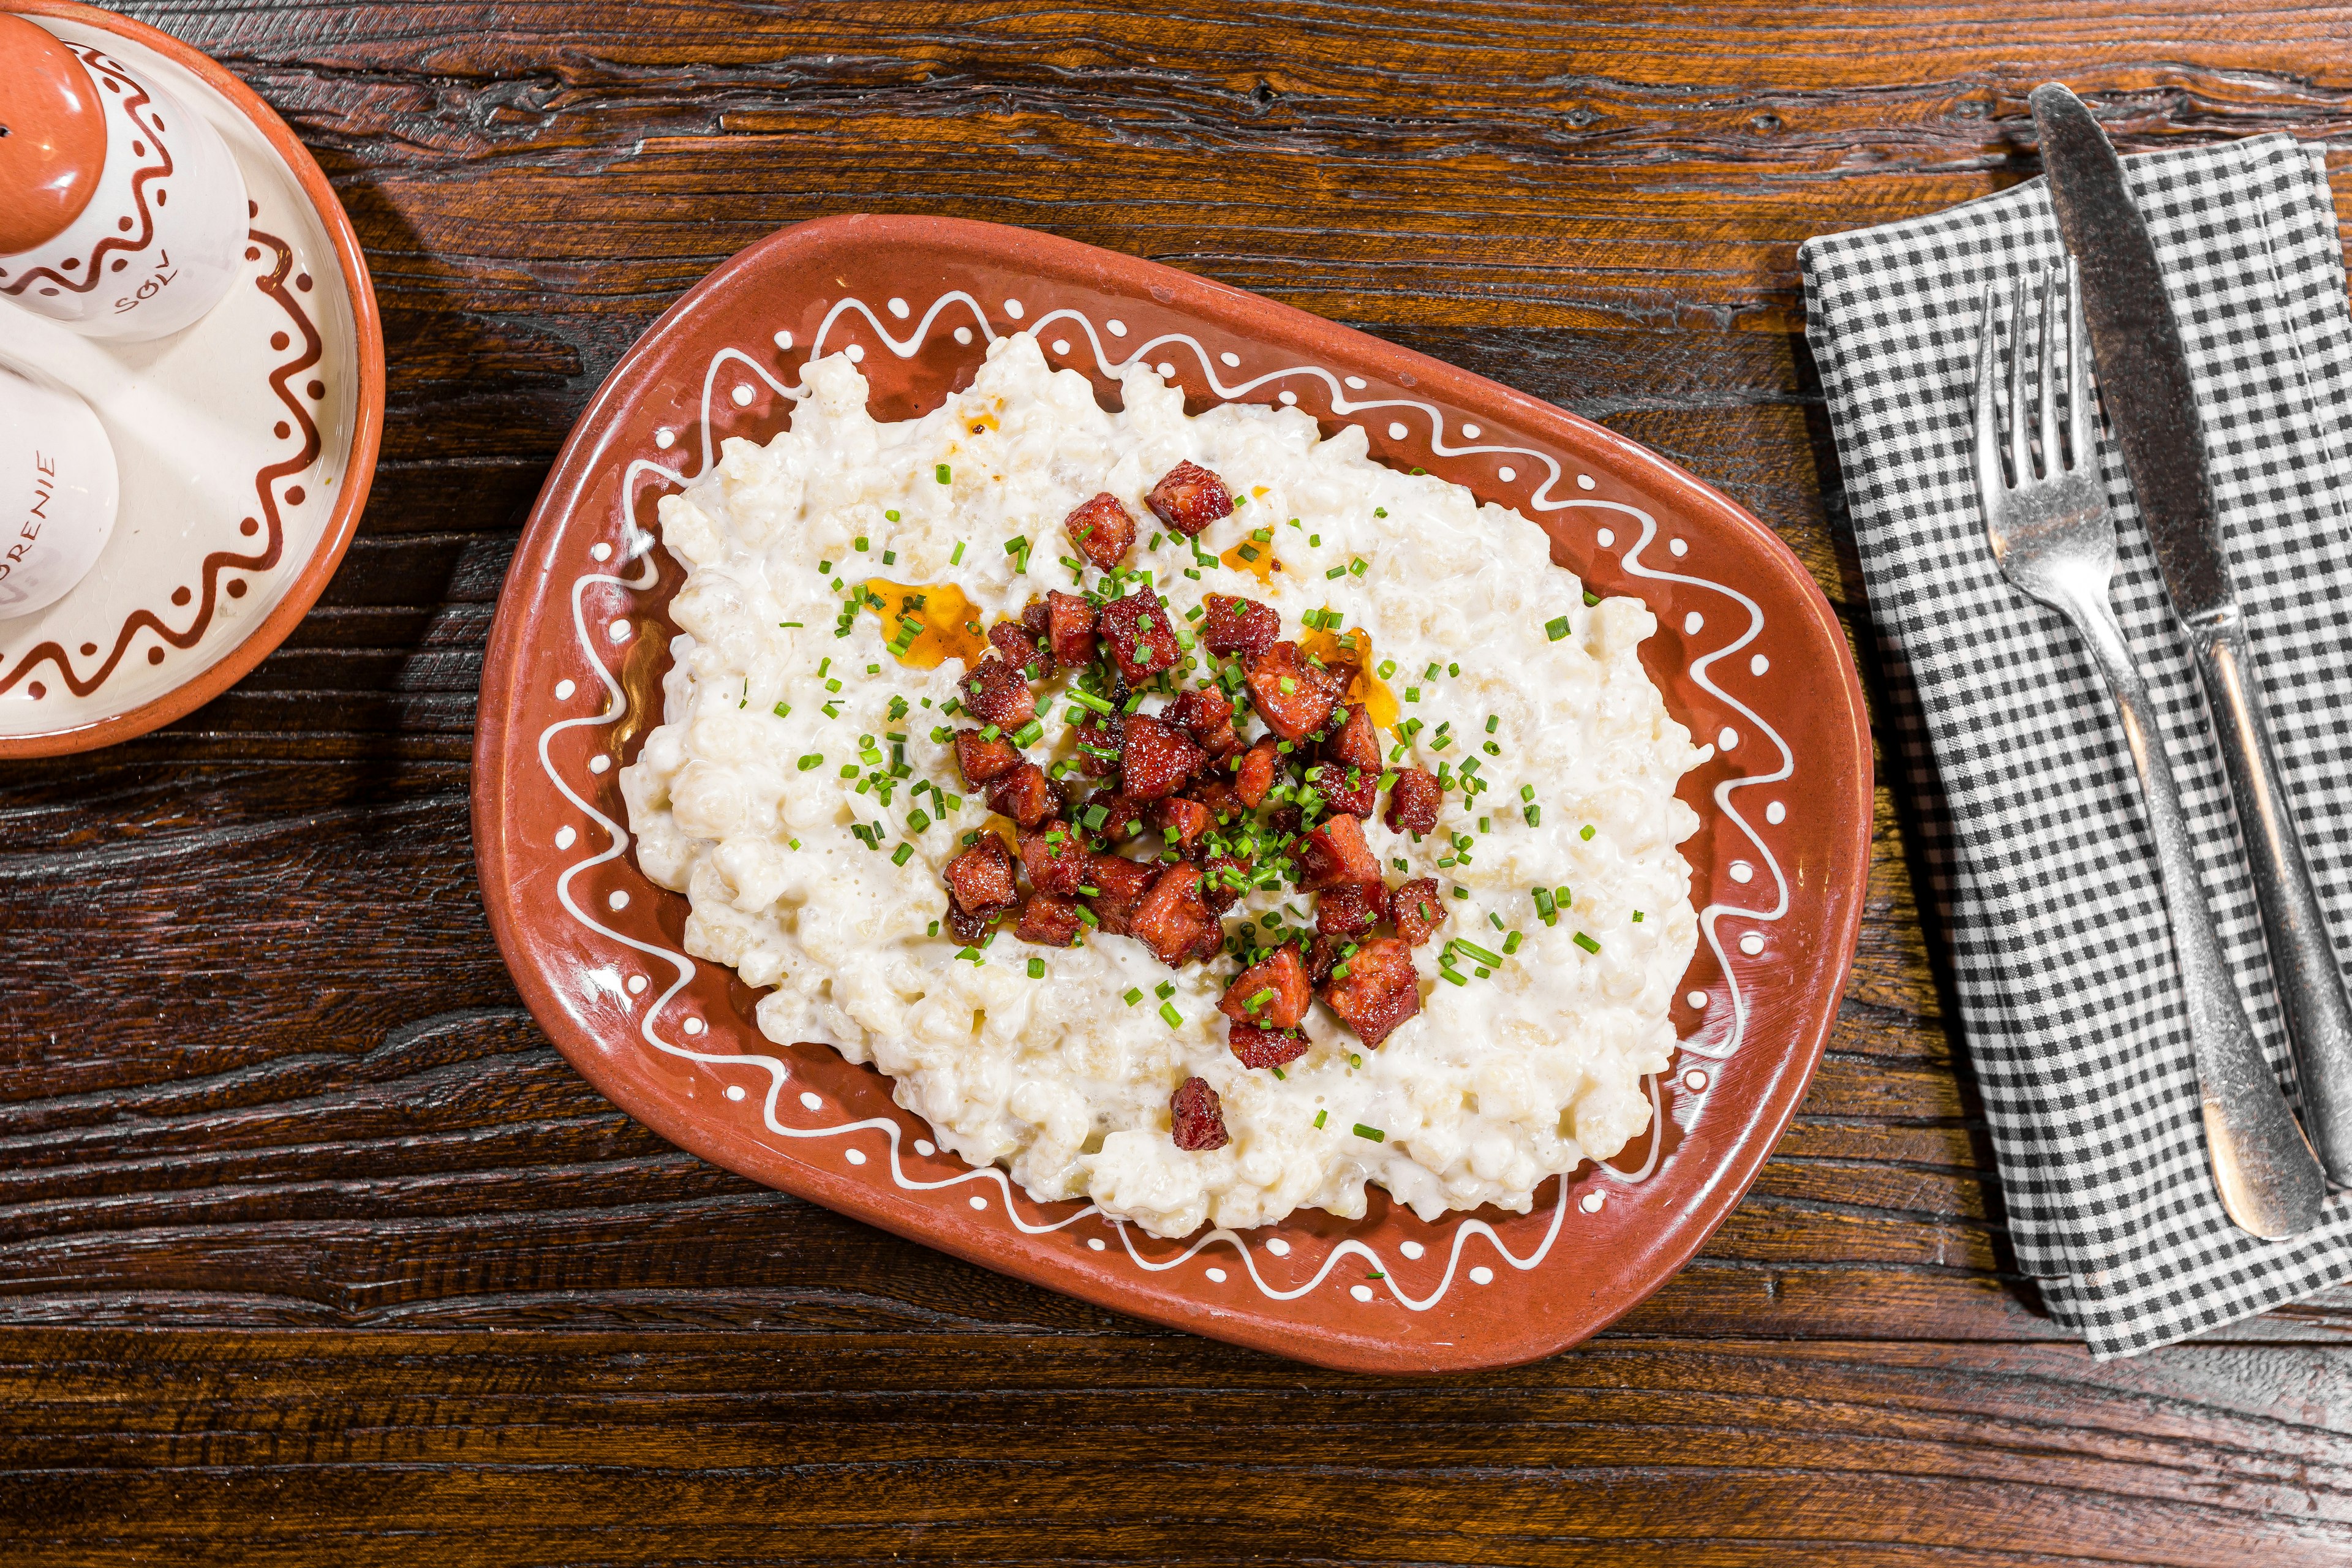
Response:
column 2038, row 855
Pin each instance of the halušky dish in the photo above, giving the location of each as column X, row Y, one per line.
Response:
column 1188, row 812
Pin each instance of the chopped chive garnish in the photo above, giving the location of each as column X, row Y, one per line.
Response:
column 1388, row 667
column 859, row 542
column 1175, row 1020
column 890, row 558
column 1637, row 917
column 1088, row 700
column 1133, row 995
column 783, row 709
column 1355, row 1058
column 1511, row 943
column 1374, row 1133
column 1587, row 943
column 1480, row 954
column 1027, row 734
column 955, row 556
column 1492, row 720
column 1585, row 832
column 942, row 474
column 1015, row 545
column 1591, row 597
column 1318, row 1118
column 891, row 516
column 1336, row 572
column 1036, row 968
column 1534, row 813
column 1448, row 975
column 898, row 856
column 814, row 760
column 1164, row 990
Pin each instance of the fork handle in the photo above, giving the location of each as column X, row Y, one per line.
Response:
column 2303, row 960
column 2271, row 1183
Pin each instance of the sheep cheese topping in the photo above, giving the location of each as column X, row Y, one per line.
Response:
column 1187, row 813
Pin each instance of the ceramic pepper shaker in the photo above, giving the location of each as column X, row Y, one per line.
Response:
column 122, row 215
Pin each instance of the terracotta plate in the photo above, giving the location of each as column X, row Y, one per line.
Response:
column 1748, row 655
column 246, row 443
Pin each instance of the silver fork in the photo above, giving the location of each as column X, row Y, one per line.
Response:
column 2051, row 532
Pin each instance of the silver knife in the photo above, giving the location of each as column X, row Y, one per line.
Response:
column 2143, row 376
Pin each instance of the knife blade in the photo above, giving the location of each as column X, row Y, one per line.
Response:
column 2143, row 368
column 2144, row 388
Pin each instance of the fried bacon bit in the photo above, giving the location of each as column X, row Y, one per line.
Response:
column 1069, row 627
column 1036, row 620
column 1259, row 1047
column 1324, row 954
column 1255, row 775
column 1021, row 651
column 1223, row 882
column 1294, row 696
column 1197, row 1122
column 1049, row 920
column 1025, row 794
column 1378, row 990
column 1334, row 854
column 995, row 694
column 1412, row 802
column 1235, row 625
column 1356, row 742
column 1171, row 920
column 1351, row 910
column 1103, row 530
column 1098, row 743
column 1056, row 857
column 1189, row 497
column 1417, row 909
column 1123, row 815
column 1216, row 792
column 1156, row 758
column 980, row 878
column 1345, row 789
column 1271, row 993
column 1120, row 886
column 1209, row 719
column 970, row 929
column 982, row 759
column 1188, row 819
column 1142, row 643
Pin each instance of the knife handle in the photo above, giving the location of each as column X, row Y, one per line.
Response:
column 2303, row 960
column 2270, row 1182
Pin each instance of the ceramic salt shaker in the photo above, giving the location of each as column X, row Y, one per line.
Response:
column 122, row 214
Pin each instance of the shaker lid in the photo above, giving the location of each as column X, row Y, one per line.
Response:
column 52, row 136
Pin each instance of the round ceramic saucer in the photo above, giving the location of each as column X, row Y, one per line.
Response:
column 245, row 442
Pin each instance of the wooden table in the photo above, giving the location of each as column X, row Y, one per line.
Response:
column 314, row 1251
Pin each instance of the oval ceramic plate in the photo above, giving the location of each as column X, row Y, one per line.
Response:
column 246, row 443
column 1748, row 655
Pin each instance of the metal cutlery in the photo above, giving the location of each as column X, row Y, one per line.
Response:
column 2051, row 532
column 2145, row 389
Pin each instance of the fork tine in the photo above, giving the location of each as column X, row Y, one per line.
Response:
column 2082, row 431
column 2021, row 434
column 1990, row 482
column 2047, row 389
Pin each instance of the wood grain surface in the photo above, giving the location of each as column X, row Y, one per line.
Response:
column 312, row 1250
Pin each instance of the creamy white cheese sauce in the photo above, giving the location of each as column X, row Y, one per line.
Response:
column 1499, row 1082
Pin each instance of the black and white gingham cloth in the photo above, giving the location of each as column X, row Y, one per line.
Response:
column 2038, row 852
